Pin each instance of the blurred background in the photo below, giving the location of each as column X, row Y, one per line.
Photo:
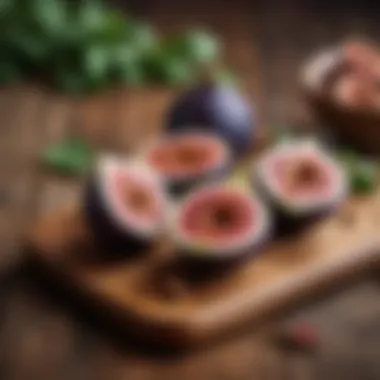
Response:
column 59, row 102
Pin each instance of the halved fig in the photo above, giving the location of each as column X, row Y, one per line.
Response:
column 220, row 223
column 125, row 203
column 186, row 159
column 302, row 181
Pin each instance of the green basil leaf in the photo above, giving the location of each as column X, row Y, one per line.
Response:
column 126, row 64
column 29, row 46
column 141, row 36
column 177, row 72
column 195, row 45
column 9, row 72
column 70, row 81
column 114, row 27
column 363, row 176
column 51, row 16
column 165, row 68
column 131, row 74
column 84, row 46
column 7, row 9
column 124, row 54
column 91, row 19
column 71, row 156
column 96, row 62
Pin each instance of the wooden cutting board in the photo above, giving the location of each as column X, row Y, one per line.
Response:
column 152, row 295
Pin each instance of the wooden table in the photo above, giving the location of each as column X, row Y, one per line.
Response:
column 42, row 338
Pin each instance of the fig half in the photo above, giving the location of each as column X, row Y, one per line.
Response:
column 219, row 224
column 125, row 203
column 301, row 181
column 187, row 159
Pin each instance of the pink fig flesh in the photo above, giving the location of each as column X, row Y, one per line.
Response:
column 136, row 197
column 187, row 155
column 300, row 176
column 218, row 217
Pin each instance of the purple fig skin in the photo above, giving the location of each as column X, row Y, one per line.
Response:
column 105, row 230
column 217, row 108
column 205, row 265
column 287, row 224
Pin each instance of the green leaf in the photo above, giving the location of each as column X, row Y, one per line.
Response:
column 164, row 68
column 7, row 8
column 9, row 72
column 29, row 46
column 92, row 16
column 96, row 24
column 125, row 64
column 96, row 63
column 131, row 74
column 12, row 12
column 72, row 156
column 124, row 54
column 202, row 46
column 362, row 173
column 348, row 157
column 84, row 46
column 70, row 81
column 363, row 177
column 197, row 46
column 141, row 36
column 177, row 72
column 115, row 27
column 51, row 16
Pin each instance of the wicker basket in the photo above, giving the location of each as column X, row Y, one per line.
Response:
column 359, row 128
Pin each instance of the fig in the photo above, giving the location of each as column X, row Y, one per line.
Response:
column 301, row 181
column 124, row 203
column 215, row 107
column 219, row 223
column 342, row 86
column 187, row 159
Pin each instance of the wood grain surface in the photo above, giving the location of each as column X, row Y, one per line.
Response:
column 154, row 297
column 41, row 337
